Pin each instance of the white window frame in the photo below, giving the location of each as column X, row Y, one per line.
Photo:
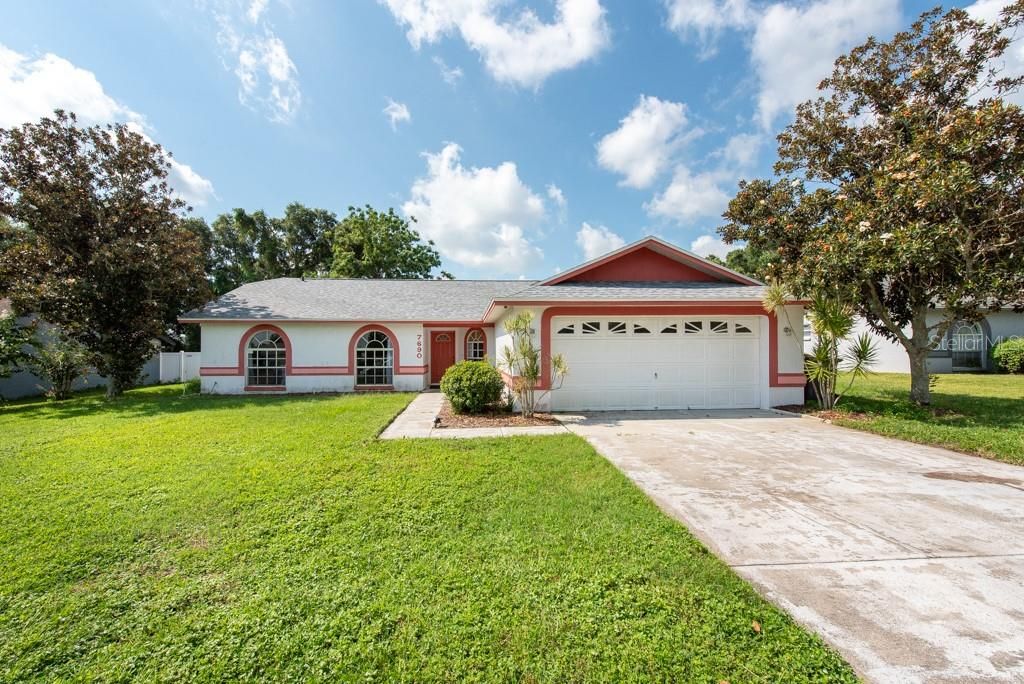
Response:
column 375, row 360
column 266, row 360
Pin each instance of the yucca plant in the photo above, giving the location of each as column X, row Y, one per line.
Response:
column 834, row 352
column 521, row 360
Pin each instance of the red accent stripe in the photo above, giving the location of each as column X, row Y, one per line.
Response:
column 265, row 388
column 219, row 370
column 321, row 370
column 791, row 380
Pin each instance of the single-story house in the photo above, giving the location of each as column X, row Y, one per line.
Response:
column 647, row 326
column 966, row 346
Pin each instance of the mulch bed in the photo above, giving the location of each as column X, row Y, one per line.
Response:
column 824, row 415
column 450, row 419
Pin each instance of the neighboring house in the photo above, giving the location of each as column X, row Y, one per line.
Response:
column 964, row 347
column 648, row 326
column 24, row 383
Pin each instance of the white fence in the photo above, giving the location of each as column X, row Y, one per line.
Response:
column 179, row 366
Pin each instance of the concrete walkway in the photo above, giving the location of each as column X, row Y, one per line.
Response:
column 908, row 559
column 417, row 421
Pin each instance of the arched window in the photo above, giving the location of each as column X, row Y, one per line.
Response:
column 967, row 345
column 375, row 357
column 265, row 360
column 476, row 345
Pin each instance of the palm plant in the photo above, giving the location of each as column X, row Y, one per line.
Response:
column 834, row 353
column 521, row 360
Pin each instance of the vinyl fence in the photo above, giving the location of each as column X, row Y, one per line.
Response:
column 179, row 366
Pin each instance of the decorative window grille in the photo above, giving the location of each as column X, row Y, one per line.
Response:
column 374, row 359
column 266, row 360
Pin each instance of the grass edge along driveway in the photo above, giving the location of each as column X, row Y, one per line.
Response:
column 981, row 414
column 166, row 538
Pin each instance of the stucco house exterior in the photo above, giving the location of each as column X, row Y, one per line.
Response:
column 647, row 326
column 966, row 346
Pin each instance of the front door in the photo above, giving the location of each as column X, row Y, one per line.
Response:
column 442, row 353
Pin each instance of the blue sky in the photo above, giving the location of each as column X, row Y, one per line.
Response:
column 525, row 135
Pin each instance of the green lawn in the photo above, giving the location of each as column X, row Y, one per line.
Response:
column 172, row 538
column 973, row 413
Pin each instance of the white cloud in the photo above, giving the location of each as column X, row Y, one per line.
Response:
column 522, row 49
column 706, row 19
column 397, row 112
column 643, row 144
column 268, row 80
column 450, row 75
column 557, row 197
column 478, row 217
column 741, row 150
column 1013, row 58
column 596, row 241
column 32, row 88
column 794, row 47
column 256, row 10
column 689, row 196
column 706, row 245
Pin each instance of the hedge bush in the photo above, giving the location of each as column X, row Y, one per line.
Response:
column 1009, row 355
column 472, row 386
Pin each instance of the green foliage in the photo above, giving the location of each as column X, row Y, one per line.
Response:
column 373, row 244
column 522, row 360
column 101, row 251
column 900, row 185
column 472, row 386
column 164, row 537
column 834, row 353
column 59, row 361
column 193, row 386
column 14, row 340
column 748, row 260
column 247, row 247
column 1009, row 355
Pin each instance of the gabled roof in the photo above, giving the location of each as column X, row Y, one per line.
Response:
column 691, row 267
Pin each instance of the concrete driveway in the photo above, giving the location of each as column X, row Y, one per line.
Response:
column 909, row 560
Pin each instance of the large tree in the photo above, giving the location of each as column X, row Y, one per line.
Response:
column 102, row 253
column 373, row 244
column 901, row 188
column 246, row 247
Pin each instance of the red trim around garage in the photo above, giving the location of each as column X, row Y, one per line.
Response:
column 790, row 380
column 691, row 310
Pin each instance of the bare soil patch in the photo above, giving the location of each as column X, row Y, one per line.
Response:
column 492, row 418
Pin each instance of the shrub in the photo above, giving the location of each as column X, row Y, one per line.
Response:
column 60, row 362
column 1009, row 355
column 193, row 386
column 472, row 386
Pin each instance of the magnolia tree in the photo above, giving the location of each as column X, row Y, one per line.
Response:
column 902, row 186
column 522, row 360
column 100, row 249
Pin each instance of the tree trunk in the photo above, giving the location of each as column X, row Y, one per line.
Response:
column 920, row 391
column 920, row 345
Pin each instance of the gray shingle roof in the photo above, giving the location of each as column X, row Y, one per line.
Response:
column 434, row 300
column 657, row 291
column 359, row 300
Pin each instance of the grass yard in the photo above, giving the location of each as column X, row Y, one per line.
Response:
column 974, row 413
column 173, row 538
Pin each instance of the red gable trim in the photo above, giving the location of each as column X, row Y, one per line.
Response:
column 657, row 266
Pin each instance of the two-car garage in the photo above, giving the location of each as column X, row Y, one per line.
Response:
column 660, row 362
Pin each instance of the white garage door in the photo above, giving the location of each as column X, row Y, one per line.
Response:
column 658, row 363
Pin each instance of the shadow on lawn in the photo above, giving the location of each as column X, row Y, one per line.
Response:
column 954, row 410
column 142, row 402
